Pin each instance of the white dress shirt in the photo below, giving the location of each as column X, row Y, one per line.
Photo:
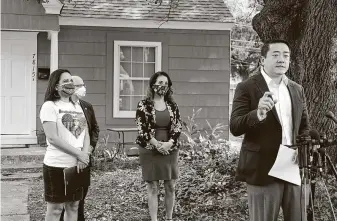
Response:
column 283, row 106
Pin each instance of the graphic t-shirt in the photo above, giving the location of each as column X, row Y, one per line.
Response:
column 70, row 124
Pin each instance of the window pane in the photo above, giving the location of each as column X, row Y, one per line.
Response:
column 149, row 69
column 129, row 103
column 145, row 86
column 125, row 53
column 126, row 87
column 138, row 86
column 135, row 62
column 137, row 54
column 124, row 103
column 149, row 54
column 137, row 70
column 135, row 100
column 125, row 70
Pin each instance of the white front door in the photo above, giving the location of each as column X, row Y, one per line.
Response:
column 18, row 87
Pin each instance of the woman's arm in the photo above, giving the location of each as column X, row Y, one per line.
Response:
column 51, row 134
column 50, row 130
column 86, row 149
column 144, row 136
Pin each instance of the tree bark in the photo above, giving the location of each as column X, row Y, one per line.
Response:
column 309, row 26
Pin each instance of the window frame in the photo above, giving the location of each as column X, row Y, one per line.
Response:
column 116, row 113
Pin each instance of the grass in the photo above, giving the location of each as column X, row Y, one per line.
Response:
column 114, row 195
column 119, row 194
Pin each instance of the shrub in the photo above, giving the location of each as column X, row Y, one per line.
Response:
column 110, row 156
column 207, row 188
column 202, row 143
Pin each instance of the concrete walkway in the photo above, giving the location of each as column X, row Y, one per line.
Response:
column 14, row 200
column 18, row 166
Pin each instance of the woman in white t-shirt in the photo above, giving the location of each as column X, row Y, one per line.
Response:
column 68, row 142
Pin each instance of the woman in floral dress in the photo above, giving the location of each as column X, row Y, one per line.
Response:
column 159, row 127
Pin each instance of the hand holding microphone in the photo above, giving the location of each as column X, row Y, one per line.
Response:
column 266, row 103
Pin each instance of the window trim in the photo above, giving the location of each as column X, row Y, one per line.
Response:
column 116, row 113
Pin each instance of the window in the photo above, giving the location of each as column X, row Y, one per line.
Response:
column 134, row 63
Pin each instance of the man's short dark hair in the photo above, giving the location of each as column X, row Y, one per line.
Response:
column 265, row 48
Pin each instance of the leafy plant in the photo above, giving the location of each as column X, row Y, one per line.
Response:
column 202, row 143
column 106, row 154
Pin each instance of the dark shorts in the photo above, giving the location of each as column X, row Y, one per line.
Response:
column 54, row 189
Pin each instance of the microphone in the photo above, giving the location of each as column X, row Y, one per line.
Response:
column 312, row 138
column 313, row 151
column 331, row 116
column 314, row 135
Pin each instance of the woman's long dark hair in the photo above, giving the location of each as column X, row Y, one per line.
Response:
column 152, row 81
column 51, row 92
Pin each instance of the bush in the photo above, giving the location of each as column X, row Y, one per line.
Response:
column 206, row 189
column 107, row 157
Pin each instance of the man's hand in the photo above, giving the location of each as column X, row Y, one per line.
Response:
column 80, row 166
column 266, row 103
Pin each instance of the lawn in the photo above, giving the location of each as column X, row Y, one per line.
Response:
column 118, row 193
column 206, row 191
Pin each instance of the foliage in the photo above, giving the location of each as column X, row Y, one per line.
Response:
column 106, row 152
column 245, row 43
column 322, row 204
column 120, row 194
column 208, row 189
column 205, row 191
column 203, row 143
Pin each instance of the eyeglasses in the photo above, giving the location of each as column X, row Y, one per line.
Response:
column 80, row 85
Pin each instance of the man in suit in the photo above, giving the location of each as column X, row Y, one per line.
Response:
column 80, row 91
column 270, row 110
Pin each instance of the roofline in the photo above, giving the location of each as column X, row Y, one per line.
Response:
column 138, row 23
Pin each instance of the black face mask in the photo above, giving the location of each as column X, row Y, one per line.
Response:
column 161, row 90
column 67, row 89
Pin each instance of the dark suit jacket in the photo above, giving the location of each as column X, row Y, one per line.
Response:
column 91, row 120
column 262, row 138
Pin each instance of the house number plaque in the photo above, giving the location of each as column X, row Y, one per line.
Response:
column 34, row 69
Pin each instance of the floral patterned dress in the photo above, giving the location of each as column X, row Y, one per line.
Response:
column 164, row 126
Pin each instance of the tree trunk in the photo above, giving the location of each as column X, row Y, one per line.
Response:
column 309, row 26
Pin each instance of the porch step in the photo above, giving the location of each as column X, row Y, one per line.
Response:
column 22, row 167
column 19, row 176
column 8, row 146
column 32, row 155
column 15, row 217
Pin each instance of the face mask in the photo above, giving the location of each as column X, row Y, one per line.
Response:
column 160, row 89
column 80, row 92
column 67, row 89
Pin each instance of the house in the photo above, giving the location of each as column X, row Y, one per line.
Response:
column 114, row 46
